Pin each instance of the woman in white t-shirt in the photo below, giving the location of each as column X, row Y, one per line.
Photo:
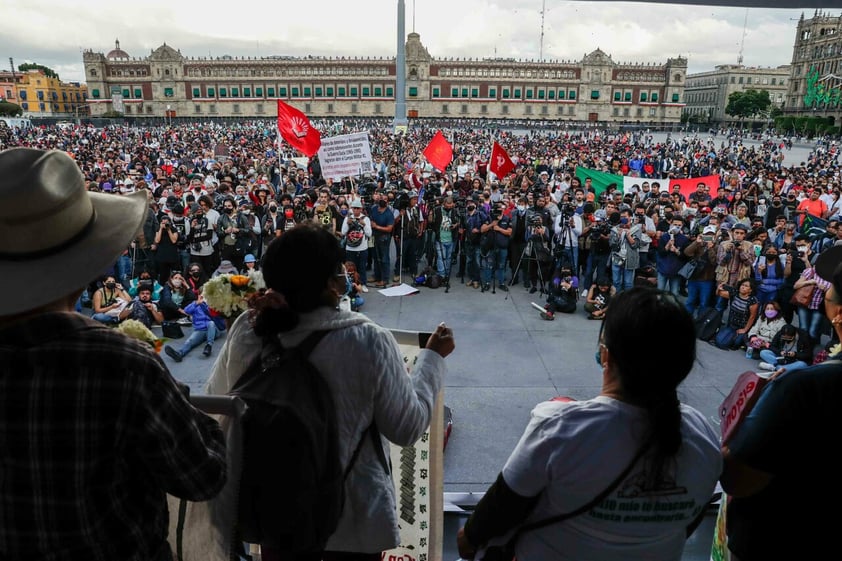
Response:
column 658, row 459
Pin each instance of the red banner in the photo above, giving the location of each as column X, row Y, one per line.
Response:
column 295, row 128
column 687, row 186
column 500, row 163
column 439, row 152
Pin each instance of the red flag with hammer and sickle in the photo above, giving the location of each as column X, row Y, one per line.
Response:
column 439, row 152
column 500, row 163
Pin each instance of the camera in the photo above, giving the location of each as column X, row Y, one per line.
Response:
column 567, row 210
column 600, row 229
column 536, row 221
column 496, row 213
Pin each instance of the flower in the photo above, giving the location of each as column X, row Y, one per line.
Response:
column 137, row 330
column 228, row 295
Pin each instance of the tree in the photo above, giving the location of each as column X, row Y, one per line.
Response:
column 48, row 72
column 112, row 114
column 8, row 109
column 748, row 103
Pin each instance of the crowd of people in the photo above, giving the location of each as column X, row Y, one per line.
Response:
column 218, row 195
column 89, row 456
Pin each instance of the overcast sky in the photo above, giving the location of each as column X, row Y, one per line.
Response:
column 54, row 32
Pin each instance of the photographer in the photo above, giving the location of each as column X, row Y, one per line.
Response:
column 474, row 220
column 412, row 224
column 444, row 225
column 701, row 285
column 356, row 230
column 624, row 242
column 567, row 227
column 670, row 256
column 538, row 249
column 517, row 241
column 202, row 235
column 165, row 247
column 496, row 234
column 563, row 293
column 598, row 245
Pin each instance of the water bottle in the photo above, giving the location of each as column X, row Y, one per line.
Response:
column 749, row 352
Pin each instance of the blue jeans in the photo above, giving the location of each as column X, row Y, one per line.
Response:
column 728, row 339
column 444, row 255
column 123, row 268
column 472, row 261
column 623, row 278
column 494, row 260
column 104, row 318
column 698, row 295
column 597, row 263
column 198, row 336
column 811, row 322
column 360, row 261
column 671, row 283
column 764, row 297
column 382, row 246
column 768, row 356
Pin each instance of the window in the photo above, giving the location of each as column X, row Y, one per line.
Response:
column 24, row 106
column 294, row 92
column 223, row 92
column 748, row 80
column 126, row 93
column 625, row 112
column 561, row 94
column 197, row 92
column 390, row 92
column 540, row 94
column 474, row 92
column 464, row 92
column 329, row 91
column 413, row 91
column 330, row 108
column 259, row 108
column 168, row 92
column 571, row 94
column 353, row 108
column 505, row 93
column 378, row 92
column 308, row 92
column 211, row 92
column 270, row 92
column 236, row 108
column 627, row 96
column 464, row 109
column 616, row 112
column 235, row 92
column 378, row 108
column 94, row 93
column 504, row 109
column 675, row 98
column 639, row 112
column 197, row 108
column 551, row 94
column 366, row 92
column 617, row 96
column 246, row 92
column 211, row 108
column 454, row 92
column 492, row 93
column 732, row 79
column 435, row 92
column 517, row 93
column 483, row 109
column 643, row 96
column 529, row 93
column 527, row 110
column 318, row 92
column 41, row 107
column 444, row 108
column 654, row 96
column 282, row 92
column 341, row 92
column 773, row 81
column 354, row 91
column 258, row 92
column 594, row 94
column 307, row 108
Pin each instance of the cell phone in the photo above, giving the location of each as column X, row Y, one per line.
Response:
column 761, row 261
column 707, row 239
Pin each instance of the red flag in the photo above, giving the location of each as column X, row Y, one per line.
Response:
column 296, row 129
column 500, row 163
column 439, row 152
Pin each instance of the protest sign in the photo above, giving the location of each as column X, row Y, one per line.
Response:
column 347, row 155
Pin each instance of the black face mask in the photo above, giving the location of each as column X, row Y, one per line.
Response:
column 471, row 208
column 381, row 204
column 776, row 203
column 771, row 256
column 273, row 209
column 227, row 210
column 110, row 285
column 194, row 274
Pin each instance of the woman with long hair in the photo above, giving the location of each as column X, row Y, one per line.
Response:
column 364, row 370
column 614, row 463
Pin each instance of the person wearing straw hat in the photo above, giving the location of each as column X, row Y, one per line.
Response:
column 95, row 430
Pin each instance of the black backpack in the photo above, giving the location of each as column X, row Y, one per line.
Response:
column 292, row 483
column 707, row 323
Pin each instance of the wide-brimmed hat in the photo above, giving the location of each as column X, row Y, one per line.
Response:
column 55, row 236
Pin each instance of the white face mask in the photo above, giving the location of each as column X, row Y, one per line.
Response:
column 521, row 208
column 176, row 283
column 246, row 212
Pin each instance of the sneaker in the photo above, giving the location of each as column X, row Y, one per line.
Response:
column 207, row 350
column 486, row 287
column 184, row 321
column 547, row 316
column 396, row 279
column 766, row 366
column 533, row 290
column 475, row 284
column 584, row 293
column 174, row 354
column 365, row 288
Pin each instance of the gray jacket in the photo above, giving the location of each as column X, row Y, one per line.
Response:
column 619, row 241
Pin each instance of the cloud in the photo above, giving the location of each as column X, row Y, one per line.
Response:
column 53, row 32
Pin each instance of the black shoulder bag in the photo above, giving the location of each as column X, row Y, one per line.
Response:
column 506, row 552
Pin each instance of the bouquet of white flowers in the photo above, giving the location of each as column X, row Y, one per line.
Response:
column 228, row 295
column 137, row 330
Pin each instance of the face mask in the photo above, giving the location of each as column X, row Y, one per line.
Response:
column 521, row 208
column 110, row 285
column 176, row 283
column 288, row 213
column 674, row 229
column 776, row 203
column 194, row 274
column 667, row 215
column 771, row 313
column 246, row 212
column 381, row 204
column 471, row 208
column 227, row 210
column 344, row 212
column 771, row 256
column 448, row 193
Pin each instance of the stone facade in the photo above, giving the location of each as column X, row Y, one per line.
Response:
column 815, row 86
column 592, row 89
column 707, row 93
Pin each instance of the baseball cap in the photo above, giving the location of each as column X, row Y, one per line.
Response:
column 709, row 230
column 739, row 226
column 249, row 258
column 356, row 204
column 705, row 209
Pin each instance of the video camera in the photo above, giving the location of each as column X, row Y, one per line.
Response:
column 567, row 210
column 601, row 228
column 535, row 221
column 496, row 213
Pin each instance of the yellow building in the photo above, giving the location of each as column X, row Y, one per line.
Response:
column 42, row 96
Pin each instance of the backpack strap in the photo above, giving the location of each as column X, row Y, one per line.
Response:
column 378, row 447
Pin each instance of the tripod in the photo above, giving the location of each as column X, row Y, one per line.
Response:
column 565, row 242
column 528, row 254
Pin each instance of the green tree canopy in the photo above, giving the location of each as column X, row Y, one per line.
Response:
column 48, row 72
column 748, row 103
column 9, row 109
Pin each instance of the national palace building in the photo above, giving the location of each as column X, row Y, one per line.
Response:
column 167, row 83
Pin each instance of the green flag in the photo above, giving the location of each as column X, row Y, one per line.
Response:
column 599, row 179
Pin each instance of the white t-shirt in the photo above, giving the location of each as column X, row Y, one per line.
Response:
column 571, row 452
